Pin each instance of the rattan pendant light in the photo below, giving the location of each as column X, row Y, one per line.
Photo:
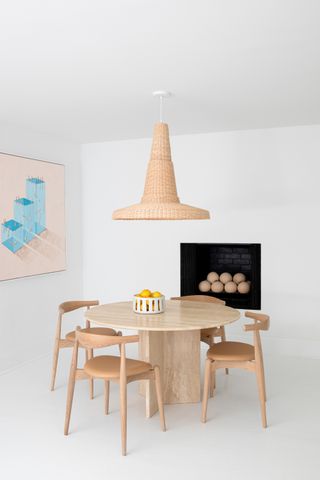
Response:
column 160, row 200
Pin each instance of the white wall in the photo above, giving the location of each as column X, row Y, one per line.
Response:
column 259, row 185
column 29, row 305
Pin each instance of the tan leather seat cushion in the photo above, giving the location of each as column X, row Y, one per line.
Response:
column 236, row 351
column 107, row 366
column 97, row 330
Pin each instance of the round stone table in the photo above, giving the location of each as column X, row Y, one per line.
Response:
column 170, row 340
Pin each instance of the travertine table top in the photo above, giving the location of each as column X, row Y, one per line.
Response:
column 178, row 315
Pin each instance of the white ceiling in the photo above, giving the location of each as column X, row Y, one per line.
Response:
column 85, row 69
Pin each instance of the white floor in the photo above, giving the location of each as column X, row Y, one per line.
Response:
column 231, row 445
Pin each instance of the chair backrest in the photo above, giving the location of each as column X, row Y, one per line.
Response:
column 94, row 340
column 261, row 322
column 66, row 307
column 200, row 298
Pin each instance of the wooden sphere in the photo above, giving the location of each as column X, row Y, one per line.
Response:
column 230, row 287
column 238, row 278
column 217, row 287
column 204, row 286
column 212, row 277
column 225, row 277
column 243, row 287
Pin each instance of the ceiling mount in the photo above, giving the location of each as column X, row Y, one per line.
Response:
column 162, row 93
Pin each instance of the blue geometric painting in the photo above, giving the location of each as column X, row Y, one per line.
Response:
column 32, row 217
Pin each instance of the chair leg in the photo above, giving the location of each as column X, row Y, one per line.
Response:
column 106, row 396
column 71, row 384
column 213, row 376
column 263, row 381
column 263, row 378
column 123, row 413
column 119, row 334
column 89, row 356
column 260, row 360
column 261, row 395
column 159, row 396
column 206, row 387
column 223, row 339
column 212, row 382
column 54, row 364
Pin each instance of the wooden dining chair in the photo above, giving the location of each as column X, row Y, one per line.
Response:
column 69, row 339
column 207, row 334
column 112, row 368
column 239, row 355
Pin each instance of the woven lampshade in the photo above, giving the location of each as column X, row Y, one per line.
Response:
column 160, row 200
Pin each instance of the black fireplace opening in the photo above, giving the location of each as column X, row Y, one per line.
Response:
column 197, row 260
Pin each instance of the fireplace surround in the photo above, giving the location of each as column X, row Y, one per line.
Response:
column 198, row 259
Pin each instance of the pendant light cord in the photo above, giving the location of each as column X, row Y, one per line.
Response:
column 161, row 94
column 161, row 108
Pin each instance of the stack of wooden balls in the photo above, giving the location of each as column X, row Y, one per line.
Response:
column 225, row 283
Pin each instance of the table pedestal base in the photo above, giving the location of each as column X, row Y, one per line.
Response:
column 178, row 356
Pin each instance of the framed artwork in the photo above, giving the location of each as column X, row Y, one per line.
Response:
column 32, row 215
